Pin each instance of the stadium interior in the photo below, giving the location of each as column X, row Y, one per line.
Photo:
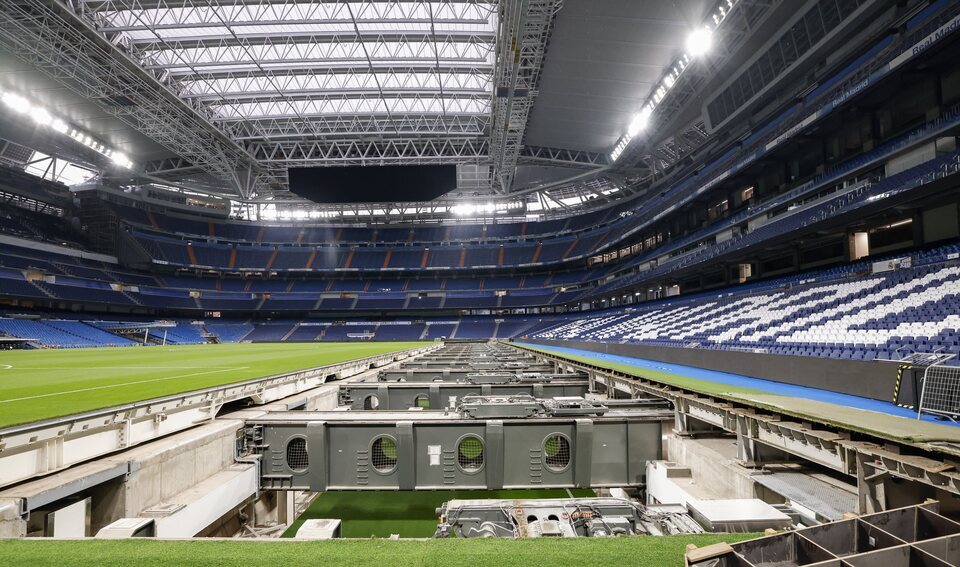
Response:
column 455, row 270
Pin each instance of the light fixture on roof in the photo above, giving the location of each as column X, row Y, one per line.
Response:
column 43, row 117
column 16, row 102
column 640, row 121
column 121, row 159
column 699, row 42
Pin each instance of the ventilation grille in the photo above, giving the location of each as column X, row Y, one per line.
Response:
column 556, row 452
column 297, row 458
column 470, row 454
column 383, row 454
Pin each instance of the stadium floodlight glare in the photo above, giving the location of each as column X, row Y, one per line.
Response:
column 699, row 42
column 16, row 102
column 41, row 116
column 121, row 159
column 640, row 121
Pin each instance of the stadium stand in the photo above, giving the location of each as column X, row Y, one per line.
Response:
column 844, row 313
column 879, row 317
column 742, row 215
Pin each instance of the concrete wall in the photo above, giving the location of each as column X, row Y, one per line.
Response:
column 714, row 466
column 173, row 465
column 859, row 378
column 161, row 470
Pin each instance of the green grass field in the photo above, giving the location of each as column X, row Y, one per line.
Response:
column 40, row 384
column 617, row 552
column 410, row 514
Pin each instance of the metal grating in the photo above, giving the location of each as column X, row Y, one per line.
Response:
column 556, row 452
column 383, row 454
column 826, row 499
column 470, row 454
column 940, row 392
column 297, row 458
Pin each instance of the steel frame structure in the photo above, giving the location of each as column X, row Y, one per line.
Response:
column 320, row 83
column 51, row 38
column 241, row 90
column 769, row 435
column 660, row 153
column 525, row 27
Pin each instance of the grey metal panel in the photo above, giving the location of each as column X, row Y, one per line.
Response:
column 610, row 454
column 447, row 473
column 583, row 447
column 401, row 396
column 316, row 449
column 406, row 451
column 383, row 397
column 639, row 447
column 495, row 455
column 525, row 465
column 67, row 489
column 613, row 451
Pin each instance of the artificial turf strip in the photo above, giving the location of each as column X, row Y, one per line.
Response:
column 874, row 423
column 642, row 551
column 41, row 384
column 411, row 514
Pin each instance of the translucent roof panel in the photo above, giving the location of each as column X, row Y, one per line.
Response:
column 292, row 84
column 136, row 15
column 352, row 106
column 287, row 54
column 244, row 60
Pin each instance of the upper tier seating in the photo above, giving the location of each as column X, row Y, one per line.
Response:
column 788, row 222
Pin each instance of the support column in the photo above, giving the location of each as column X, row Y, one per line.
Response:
column 871, row 492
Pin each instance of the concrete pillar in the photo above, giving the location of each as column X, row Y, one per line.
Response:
column 11, row 523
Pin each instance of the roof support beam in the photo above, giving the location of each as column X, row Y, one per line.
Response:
column 53, row 40
column 525, row 27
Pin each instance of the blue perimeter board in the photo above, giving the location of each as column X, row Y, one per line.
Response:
column 768, row 386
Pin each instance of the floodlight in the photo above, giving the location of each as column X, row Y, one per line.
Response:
column 699, row 42
column 640, row 121
column 120, row 159
column 16, row 102
column 41, row 116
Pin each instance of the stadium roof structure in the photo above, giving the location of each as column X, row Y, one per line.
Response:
column 223, row 96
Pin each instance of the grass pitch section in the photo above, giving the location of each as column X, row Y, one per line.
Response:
column 412, row 514
column 40, row 384
column 641, row 551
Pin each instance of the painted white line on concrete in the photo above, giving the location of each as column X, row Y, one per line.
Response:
column 115, row 385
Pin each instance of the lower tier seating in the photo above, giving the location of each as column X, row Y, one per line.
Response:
column 885, row 316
